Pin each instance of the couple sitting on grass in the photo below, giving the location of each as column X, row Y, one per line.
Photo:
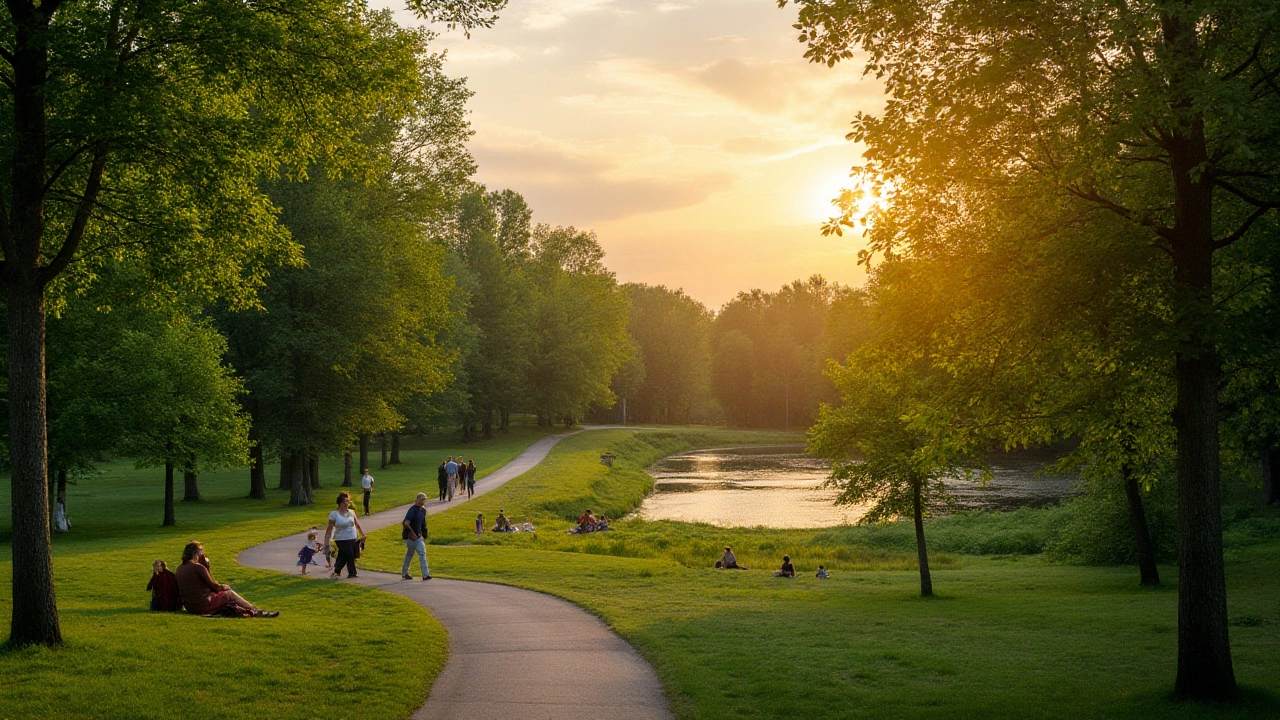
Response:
column 730, row 562
column 589, row 523
column 193, row 587
column 502, row 524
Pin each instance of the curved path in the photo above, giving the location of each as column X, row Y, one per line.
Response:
column 512, row 652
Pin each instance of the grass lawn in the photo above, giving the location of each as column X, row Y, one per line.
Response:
column 336, row 651
column 1007, row 636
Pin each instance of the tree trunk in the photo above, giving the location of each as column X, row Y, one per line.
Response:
column 299, row 484
column 1147, row 570
column 486, row 427
column 346, row 469
column 364, row 453
column 505, row 426
column 1270, row 471
column 383, row 446
column 169, row 518
column 34, row 618
column 313, row 470
column 190, row 481
column 257, row 474
column 395, row 449
column 1204, row 646
column 286, row 472
column 926, row 580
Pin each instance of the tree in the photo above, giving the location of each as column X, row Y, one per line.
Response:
column 881, row 451
column 1163, row 115
column 578, row 325
column 671, row 332
column 139, row 131
column 174, row 399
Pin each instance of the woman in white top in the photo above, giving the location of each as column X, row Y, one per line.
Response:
column 345, row 529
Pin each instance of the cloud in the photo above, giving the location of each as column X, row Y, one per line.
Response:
column 567, row 184
column 755, row 145
column 667, row 7
column 551, row 14
column 726, row 39
column 477, row 52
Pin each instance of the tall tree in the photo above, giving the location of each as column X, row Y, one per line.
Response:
column 671, row 331
column 139, row 130
column 1162, row 114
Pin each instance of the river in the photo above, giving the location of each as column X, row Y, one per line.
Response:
column 779, row 486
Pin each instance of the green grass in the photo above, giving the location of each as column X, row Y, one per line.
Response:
column 336, row 651
column 1008, row 635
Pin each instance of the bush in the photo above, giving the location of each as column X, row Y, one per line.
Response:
column 1095, row 528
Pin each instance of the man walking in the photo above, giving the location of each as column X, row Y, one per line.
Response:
column 442, row 479
column 366, row 482
column 415, row 537
column 451, row 470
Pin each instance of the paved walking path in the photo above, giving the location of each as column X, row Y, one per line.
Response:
column 512, row 652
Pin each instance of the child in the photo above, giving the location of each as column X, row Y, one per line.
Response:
column 320, row 548
column 822, row 573
column 480, row 524
column 164, row 588
column 788, row 570
column 308, row 551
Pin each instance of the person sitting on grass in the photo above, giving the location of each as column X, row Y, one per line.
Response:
column 729, row 561
column 587, row 523
column 788, row 570
column 822, row 573
column 164, row 588
column 502, row 524
column 202, row 595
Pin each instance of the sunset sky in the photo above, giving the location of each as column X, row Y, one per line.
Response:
column 691, row 135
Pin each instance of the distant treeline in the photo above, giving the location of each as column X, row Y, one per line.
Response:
column 759, row 362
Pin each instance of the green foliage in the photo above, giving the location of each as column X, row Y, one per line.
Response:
column 1094, row 527
column 670, row 330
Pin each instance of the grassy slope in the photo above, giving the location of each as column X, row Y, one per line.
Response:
column 1008, row 636
column 336, row 651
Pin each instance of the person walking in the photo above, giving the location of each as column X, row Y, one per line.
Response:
column 414, row 535
column 451, row 468
column 344, row 528
column 442, row 479
column 366, row 482
column 471, row 478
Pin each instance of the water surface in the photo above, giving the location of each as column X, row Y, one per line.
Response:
column 779, row 486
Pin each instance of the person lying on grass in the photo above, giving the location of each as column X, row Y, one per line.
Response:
column 788, row 570
column 729, row 561
column 202, row 595
column 164, row 588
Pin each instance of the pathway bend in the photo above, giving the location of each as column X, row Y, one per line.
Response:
column 511, row 651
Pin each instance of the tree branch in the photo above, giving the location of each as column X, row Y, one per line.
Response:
column 62, row 167
column 1240, row 231
column 1124, row 212
column 72, row 242
column 1252, row 200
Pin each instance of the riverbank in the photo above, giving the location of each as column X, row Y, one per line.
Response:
column 1009, row 635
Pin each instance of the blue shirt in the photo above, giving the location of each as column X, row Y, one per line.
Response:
column 417, row 519
column 451, row 467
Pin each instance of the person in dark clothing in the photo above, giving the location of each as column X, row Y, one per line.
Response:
column 201, row 594
column 788, row 570
column 471, row 478
column 164, row 588
column 442, row 479
column 414, row 534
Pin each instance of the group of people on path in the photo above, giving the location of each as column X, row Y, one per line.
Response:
column 192, row 587
column 453, row 477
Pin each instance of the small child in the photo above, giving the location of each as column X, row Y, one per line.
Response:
column 788, row 570
column 822, row 573
column 308, row 551
column 164, row 588
column 320, row 548
column 480, row 524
